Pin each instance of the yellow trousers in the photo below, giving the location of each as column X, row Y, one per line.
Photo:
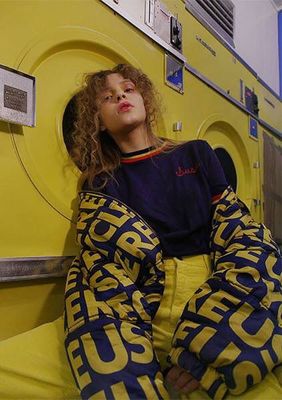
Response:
column 182, row 278
column 33, row 365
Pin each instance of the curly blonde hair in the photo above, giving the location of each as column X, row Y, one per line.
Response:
column 94, row 150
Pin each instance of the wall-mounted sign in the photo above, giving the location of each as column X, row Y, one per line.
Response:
column 174, row 73
column 17, row 97
column 253, row 128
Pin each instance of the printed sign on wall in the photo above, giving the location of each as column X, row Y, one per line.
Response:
column 17, row 97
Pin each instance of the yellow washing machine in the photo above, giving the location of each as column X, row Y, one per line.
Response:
column 56, row 45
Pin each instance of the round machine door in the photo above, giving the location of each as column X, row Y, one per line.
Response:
column 59, row 61
column 228, row 166
column 232, row 152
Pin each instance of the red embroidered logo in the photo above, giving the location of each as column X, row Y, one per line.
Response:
column 186, row 171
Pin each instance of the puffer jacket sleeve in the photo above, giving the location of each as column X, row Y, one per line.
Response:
column 230, row 333
column 112, row 293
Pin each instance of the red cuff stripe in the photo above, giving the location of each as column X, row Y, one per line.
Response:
column 216, row 197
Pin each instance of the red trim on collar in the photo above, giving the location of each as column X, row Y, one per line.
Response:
column 133, row 159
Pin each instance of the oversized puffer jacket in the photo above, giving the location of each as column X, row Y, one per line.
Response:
column 113, row 291
column 229, row 335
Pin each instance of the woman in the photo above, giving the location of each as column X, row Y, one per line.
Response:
column 178, row 192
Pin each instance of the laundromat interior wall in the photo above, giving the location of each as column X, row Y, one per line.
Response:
column 57, row 42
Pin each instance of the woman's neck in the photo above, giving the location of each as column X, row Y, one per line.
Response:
column 135, row 140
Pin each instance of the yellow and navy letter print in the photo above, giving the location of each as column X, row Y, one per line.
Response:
column 230, row 333
column 112, row 293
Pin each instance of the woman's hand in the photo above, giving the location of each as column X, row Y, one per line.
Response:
column 181, row 380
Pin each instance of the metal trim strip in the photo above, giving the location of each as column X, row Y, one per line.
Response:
column 26, row 268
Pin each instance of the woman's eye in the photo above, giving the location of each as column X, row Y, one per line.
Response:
column 108, row 97
column 129, row 89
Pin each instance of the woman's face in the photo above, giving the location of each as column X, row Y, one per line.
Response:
column 121, row 106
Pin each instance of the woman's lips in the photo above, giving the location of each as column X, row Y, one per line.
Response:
column 125, row 106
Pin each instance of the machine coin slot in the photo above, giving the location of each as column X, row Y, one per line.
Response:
column 251, row 101
column 175, row 33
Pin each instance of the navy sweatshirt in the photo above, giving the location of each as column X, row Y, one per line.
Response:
column 173, row 191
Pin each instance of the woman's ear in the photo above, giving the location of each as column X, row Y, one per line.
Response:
column 102, row 127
